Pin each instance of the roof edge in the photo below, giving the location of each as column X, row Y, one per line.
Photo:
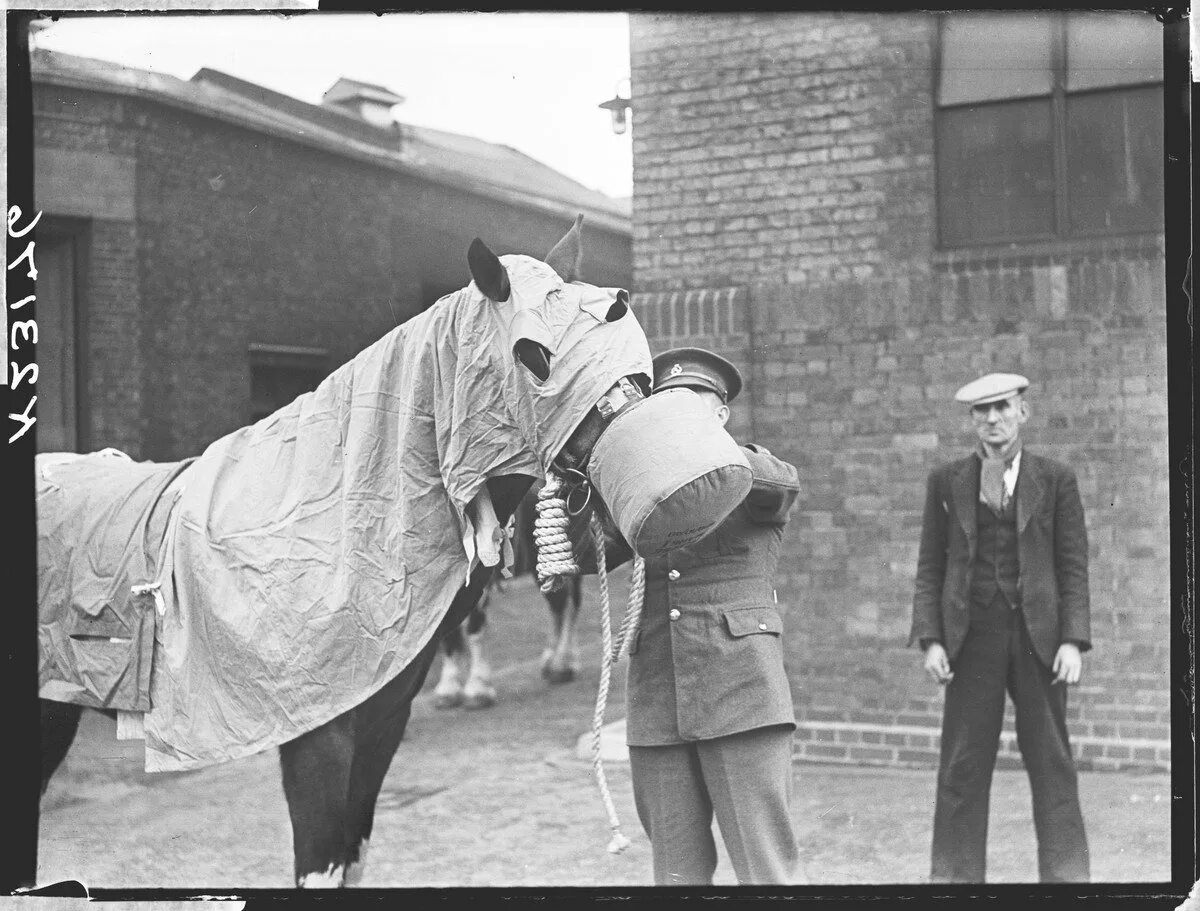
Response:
column 338, row 144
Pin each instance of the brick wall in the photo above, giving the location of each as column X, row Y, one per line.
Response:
column 242, row 238
column 790, row 158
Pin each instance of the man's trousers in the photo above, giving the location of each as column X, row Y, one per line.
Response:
column 997, row 656
column 745, row 779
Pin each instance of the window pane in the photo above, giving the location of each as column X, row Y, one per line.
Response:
column 995, row 167
column 988, row 56
column 1105, row 49
column 1115, row 161
column 272, row 386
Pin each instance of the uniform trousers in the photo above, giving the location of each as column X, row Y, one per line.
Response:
column 745, row 779
column 997, row 656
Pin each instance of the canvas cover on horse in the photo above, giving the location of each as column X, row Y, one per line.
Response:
column 101, row 531
column 310, row 556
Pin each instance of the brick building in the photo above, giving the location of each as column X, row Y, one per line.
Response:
column 210, row 248
column 866, row 211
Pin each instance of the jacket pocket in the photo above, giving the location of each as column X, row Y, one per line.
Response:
column 748, row 621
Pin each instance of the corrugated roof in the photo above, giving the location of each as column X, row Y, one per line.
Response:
column 465, row 162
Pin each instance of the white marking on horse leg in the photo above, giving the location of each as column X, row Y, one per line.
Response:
column 448, row 692
column 354, row 871
column 478, row 692
column 332, row 878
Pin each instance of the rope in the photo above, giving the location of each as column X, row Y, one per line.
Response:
column 555, row 560
column 612, row 654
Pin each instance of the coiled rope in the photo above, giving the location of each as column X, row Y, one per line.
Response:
column 555, row 562
column 550, row 526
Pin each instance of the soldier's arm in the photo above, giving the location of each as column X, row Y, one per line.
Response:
column 775, row 488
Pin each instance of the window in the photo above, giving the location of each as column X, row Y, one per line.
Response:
column 62, row 247
column 1049, row 126
column 280, row 373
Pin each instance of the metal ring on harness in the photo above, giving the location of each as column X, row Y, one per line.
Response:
column 572, row 497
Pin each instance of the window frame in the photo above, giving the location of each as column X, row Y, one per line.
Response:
column 1058, row 136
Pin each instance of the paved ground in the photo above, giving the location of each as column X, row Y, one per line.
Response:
column 500, row 797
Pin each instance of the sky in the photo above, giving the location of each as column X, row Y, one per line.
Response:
column 527, row 80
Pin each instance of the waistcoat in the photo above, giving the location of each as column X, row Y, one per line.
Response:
column 996, row 566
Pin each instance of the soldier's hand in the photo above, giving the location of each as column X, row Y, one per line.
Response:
column 937, row 663
column 1068, row 664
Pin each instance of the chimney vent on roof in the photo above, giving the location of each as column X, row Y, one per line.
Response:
column 373, row 103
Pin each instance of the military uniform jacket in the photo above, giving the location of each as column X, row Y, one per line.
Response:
column 708, row 656
column 1052, row 549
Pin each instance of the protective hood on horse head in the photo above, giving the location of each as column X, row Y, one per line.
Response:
column 310, row 556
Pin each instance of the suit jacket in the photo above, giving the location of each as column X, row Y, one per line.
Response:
column 708, row 657
column 1052, row 550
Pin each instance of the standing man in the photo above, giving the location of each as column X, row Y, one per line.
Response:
column 1001, row 604
column 709, row 716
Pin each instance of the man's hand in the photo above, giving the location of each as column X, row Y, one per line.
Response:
column 1068, row 664
column 937, row 663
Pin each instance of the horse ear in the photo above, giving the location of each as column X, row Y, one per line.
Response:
column 489, row 273
column 567, row 256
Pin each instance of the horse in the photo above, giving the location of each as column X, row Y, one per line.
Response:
column 465, row 677
column 547, row 349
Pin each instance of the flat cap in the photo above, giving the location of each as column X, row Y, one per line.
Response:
column 697, row 368
column 991, row 388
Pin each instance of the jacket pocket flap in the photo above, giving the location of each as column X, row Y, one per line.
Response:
column 748, row 620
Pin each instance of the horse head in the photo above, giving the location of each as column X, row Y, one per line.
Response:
column 670, row 473
column 577, row 346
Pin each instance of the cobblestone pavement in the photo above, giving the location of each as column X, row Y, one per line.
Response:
column 500, row 798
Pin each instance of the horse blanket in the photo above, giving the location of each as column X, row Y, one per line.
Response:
column 307, row 559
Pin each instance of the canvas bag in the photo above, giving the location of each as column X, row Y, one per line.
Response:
column 668, row 472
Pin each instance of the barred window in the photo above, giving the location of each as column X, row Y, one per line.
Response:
column 1049, row 126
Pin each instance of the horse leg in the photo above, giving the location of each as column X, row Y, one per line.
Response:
column 379, row 727
column 449, row 690
column 59, row 723
column 316, row 782
column 380, row 723
column 571, row 621
column 479, row 692
column 555, row 600
column 559, row 667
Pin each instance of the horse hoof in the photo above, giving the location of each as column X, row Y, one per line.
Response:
column 480, row 701
column 447, row 700
column 558, row 675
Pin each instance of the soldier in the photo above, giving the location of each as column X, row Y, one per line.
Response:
column 709, row 717
column 1001, row 603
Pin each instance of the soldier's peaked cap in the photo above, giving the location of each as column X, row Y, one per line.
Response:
column 994, row 387
column 697, row 368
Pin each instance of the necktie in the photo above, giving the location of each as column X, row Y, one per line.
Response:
column 991, row 483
